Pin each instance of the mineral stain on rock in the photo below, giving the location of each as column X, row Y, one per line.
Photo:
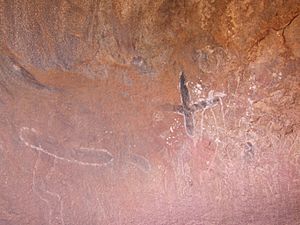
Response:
column 249, row 151
column 141, row 64
column 140, row 162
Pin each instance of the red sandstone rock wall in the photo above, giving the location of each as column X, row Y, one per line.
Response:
column 95, row 128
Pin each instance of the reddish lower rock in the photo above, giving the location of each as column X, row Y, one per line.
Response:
column 98, row 124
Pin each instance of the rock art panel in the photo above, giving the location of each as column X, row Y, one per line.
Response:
column 149, row 112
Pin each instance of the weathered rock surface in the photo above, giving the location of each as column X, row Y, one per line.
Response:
column 95, row 128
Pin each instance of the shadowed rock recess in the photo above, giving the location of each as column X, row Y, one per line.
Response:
column 153, row 112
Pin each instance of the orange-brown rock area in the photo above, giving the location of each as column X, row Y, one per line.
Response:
column 99, row 126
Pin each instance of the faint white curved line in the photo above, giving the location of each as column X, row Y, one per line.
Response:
column 96, row 150
column 40, row 149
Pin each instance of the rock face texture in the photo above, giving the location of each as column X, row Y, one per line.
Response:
column 154, row 112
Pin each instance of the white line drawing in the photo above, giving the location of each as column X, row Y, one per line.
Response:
column 55, row 217
column 76, row 161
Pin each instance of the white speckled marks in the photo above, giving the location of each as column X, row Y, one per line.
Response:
column 188, row 108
